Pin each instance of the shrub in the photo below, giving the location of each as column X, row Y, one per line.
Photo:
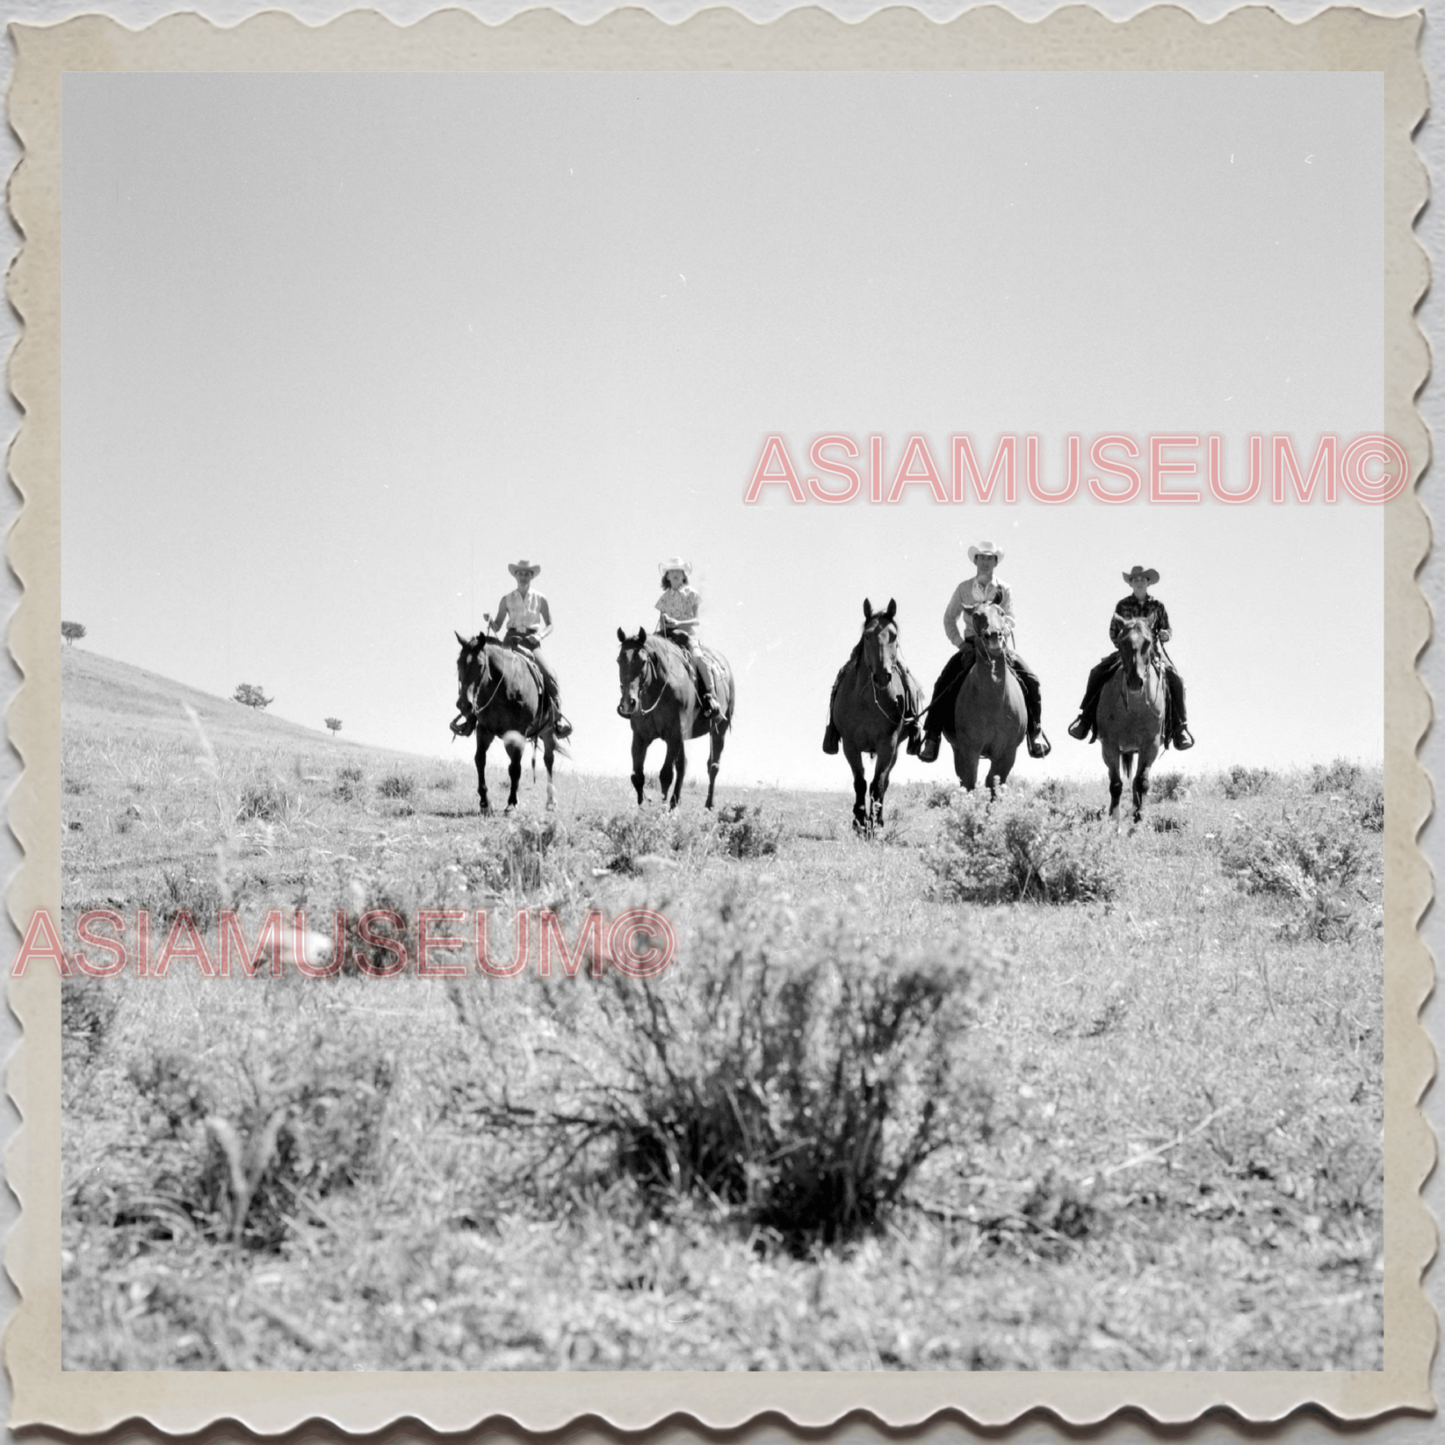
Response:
column 641, row 833
column 1022, row 848
column 748, row 832
column 242, row 1139
column 87, row 1010
column 1372, row 811
column 1168, row 787
column 1293, row 857
column 939, row 795
column 268, row 801
column 1340, row 776
column 350, row 774
column 1241, row 782
column 396, row 785
column 798, row 1085
column 199, row 896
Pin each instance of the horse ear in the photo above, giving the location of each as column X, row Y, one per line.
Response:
column 621, row 635
column 641, row 636
column 867, row 609
column 459, row 637
column 891, row 609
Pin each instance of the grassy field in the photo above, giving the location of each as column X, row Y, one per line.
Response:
column 996, row 1089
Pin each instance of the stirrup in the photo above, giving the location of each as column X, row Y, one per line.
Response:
column 463, row 726
column 928, row 753
column 1079, row 728
column 1182, row 739
column 561, row 728
column 1039, row 745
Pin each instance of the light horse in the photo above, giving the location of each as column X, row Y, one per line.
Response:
column 500, row 694
column 989, row 718
column 872, row 699
column 660, row 700
column 1131, row 715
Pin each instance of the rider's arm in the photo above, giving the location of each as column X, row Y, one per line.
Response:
column 1122, row 609
column 951, row 615
column 546, row 613
column 499, row 617
column 1161, row 624
column 1005, row 602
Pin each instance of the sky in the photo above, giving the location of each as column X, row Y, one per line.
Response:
column 336, row 349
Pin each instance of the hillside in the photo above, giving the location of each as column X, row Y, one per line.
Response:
column 101, row 693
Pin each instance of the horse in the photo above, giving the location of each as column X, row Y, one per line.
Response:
column 1131, row 715
column 660, row 699
column 500, row 695
column 872, row 699
column 989, row 718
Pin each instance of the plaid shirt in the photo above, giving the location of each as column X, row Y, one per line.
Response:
column 1150, row 608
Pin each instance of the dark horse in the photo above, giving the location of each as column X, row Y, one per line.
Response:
column 874, row 698
column 1131, row 715
column 989, row 718
column 500, row 693
column 660, row 700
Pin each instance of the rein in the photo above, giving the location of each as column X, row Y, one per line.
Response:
column 650, row 672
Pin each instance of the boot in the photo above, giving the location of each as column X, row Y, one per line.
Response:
column 928, row 753
column 914, row 736
column 1080, row 728
column 1182, row 739
column 831, row 740
column 463, row 725
column 561, row 728
column 1039, row 745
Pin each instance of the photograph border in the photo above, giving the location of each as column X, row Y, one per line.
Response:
column 1077, row 39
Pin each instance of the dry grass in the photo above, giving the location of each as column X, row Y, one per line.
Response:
column 1177, row 1166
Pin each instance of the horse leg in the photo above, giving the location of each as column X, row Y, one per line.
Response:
column 484, row 741
column 965, row 764
column 854, row 754
column 549, row 751
column 1116, row 782
column 514, row 770
column 664, row 776
column 679, row 763
column 716, row 740
column 1000, row 769
column 882, row 770
column 639, row 756
column 1147, row 754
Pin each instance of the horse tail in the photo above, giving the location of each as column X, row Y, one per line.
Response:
column 1126, row 764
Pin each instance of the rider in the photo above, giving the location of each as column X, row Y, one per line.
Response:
column 528, row 620
column 1138, row 604
column 967, row 596
column 678, row 621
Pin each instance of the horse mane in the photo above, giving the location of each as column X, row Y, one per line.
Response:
column 668, row 658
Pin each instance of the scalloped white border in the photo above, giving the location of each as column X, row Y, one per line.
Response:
column 1074, row 38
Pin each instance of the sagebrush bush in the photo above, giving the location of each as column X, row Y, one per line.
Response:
column 1341, row 776
column 640, row 833
column 396, row 785
column 1372, row 811
column 242, row 1139
column 1170, row 787
column 350, row 774
column 87, row 1009
column 1242, row 782
column 748, row 832
column 268, row 801
column 798, row 1079
column 198, row 894
column 1294, row 856
column 1023, row 848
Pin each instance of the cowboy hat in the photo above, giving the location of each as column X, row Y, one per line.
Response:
column 517, row 568
column 988, row 549
column 1147, row 573
column 674, row 564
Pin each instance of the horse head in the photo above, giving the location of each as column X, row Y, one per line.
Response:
column 1136, row 650
column 632, row 670
column 469, row 666
column 991, row 631
column 880, row 641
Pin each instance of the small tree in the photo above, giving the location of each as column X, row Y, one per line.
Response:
column 71, row 632
column 334, row 723
column 251, row 696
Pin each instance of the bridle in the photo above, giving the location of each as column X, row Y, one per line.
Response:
column 646, row 673
column 479, row 708
column 876, row 634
